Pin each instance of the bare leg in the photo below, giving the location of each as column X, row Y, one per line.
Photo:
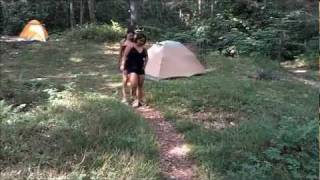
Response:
column 140, row 93
column 134, row 80
column 133, row 93
column 127, row 83
column 124, row 86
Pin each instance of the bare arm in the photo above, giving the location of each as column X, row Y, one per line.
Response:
column 146, row 59
column 121, row 52
column 125, row 56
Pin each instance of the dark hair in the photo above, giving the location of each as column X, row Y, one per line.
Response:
column 140, row 36
column 130, row 31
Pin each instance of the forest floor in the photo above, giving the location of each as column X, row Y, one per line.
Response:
column 62, row 117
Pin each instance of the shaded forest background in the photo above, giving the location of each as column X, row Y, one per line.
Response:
column 283, row 30
column 46, row 121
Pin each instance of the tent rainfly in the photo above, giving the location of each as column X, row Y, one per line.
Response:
column 34, row 31
column 170, row 59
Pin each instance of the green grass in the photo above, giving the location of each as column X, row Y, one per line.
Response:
column 275, row 128
column 59, row 117
column 77, row 134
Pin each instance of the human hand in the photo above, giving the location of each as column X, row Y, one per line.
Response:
column 122, row 67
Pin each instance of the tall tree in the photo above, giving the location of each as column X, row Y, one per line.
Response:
column 91, row 8
column 133, row 12
column 212, row 7
column 72, row 20
column 200, row 7
column 2, row 18
column 81, row 11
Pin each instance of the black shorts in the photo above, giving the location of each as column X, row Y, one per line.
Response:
column 135, row 70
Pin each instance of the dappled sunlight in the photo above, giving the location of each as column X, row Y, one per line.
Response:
column 113, row 85
column 300, row 71
column 73, row 75
column 128, row 165
column 67, row 100
column 315, row 84
column 75, row 59
column 33, row 173
column 72, row 133
column 83, row 63
column 128, row 162
column 217, row 118
column 39, row 79
column 106, row 76
column 62, row 76
column 294, row 64
column 182, row 173
column 111, row 49
column 101, row 66
column 12, row 39
column 180, row 110
column 175, row 161
column 182, row 150
column 6, row 71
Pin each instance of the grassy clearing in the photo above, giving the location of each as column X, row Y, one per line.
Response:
column 81, row 65
column 64, row 123
column 59, row 117
column 242, row 126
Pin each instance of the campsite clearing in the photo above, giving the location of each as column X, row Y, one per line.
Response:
column 65, row 94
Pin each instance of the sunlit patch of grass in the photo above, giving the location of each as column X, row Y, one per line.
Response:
column 112, row 48
column 82, row 63
column 267, row 115
column 76, row 60
column 75, row 128
column 89, row 134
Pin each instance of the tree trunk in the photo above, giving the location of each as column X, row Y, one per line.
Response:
column 81, row 12
column 91, row 11
column 66, row 12
column 133, row 13
column 2, row 16
column 180, row 14
column 72, row 23
column 212, row 7
column 200, row 7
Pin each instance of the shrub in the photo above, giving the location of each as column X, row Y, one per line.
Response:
column 100, row 33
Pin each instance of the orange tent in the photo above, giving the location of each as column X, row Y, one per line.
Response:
column 34, row 31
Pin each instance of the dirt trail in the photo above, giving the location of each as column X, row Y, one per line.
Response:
column 175, row 163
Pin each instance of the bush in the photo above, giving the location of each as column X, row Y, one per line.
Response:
column 100, row 33
column 182, row 37
column 152, row 32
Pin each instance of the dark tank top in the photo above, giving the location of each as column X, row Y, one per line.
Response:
column 136, row 59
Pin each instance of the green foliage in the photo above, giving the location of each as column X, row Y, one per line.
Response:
column 108, row 10
column 277, row 29
column 281, row 39
column 183, row 37
column 99, row 33
column 153, row 33
column 17, row 13
column 274, row 29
